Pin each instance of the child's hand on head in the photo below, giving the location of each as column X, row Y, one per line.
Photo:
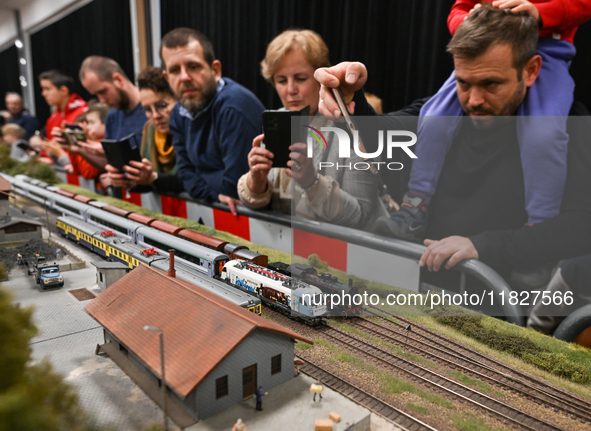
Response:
column 518, row 6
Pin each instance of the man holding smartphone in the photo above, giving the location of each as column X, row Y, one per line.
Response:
column 214, row 122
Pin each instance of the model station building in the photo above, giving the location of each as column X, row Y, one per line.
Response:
column 216, row 354
column 15, row 228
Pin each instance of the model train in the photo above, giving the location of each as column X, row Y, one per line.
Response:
column 126, row 223
column 250, row 283
column 207, row 253
column 116, row 248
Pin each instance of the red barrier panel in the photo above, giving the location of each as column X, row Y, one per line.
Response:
column 332, row 251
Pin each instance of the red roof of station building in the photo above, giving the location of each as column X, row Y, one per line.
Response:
column 4, row 185
column 200, row 328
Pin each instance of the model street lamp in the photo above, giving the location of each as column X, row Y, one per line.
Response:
column 161, row 336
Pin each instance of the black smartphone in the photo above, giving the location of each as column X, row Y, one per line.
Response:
column 120, row 152
column 278, row 137
column 73, row 134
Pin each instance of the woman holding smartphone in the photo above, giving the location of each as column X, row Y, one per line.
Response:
column 344, row 197
column 157, row 170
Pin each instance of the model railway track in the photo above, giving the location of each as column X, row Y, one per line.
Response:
column 471, row 367
column 435, row 339
column 441, row 384
column 365, row 399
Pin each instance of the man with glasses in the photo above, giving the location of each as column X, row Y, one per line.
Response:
column 157, row 170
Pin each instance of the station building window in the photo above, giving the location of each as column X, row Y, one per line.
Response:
column 276, row 364
column 221, row 387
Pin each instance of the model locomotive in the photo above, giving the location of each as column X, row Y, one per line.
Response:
column 279, row 291
column 327, row 283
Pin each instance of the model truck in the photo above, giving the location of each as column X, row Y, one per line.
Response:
column 47, row 274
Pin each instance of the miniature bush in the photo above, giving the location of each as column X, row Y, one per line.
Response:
column 35, row 169
column 41, row 171
column 555, row 363
column 559, row 365
column 6, row 163
column 32, row 397
column 315, row 261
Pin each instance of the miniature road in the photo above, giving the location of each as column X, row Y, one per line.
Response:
column 68, row 337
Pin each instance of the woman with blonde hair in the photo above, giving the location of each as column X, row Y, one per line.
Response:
column 340, row 196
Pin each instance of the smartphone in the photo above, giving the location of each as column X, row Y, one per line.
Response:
column 350, row 125
column 278, row 137
column 73, row 134
column 120, row 152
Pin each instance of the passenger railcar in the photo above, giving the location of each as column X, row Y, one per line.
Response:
column 279, row 291
column 209, row 261
column 204, row 240
column 185, row 272
column 111, row 221
column 117, row 249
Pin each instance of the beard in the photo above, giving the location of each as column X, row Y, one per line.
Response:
column 199, row 101
column 123, row 102
column 509, row 109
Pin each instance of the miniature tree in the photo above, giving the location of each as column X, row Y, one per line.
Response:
column 32, row 396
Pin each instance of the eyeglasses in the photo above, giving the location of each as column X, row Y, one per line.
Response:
column 159, row 107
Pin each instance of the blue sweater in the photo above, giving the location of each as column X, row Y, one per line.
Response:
column 212, row 148
column 120, row 123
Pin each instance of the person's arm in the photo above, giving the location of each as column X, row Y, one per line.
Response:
column 459, row 12
column 560, row 15
column 561, row 237
column 251, row 199
column 193, row 182
column 236, row 132
column 96, row 161
column 168, row 182
column 82, row 167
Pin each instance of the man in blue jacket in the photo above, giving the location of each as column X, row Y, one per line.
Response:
column 214, row 122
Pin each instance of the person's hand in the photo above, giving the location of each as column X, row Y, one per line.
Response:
column 140, row 172
column 46, row 160
column 348, row 76
column 231, row 202
column 93, row 147
column 57, row 134
column 474, row 9
column 53, row 148
column 116, row 178
column 519, row 6
column 36, row 142
column 300, row 167
column 260, row 163
column 456, row 248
